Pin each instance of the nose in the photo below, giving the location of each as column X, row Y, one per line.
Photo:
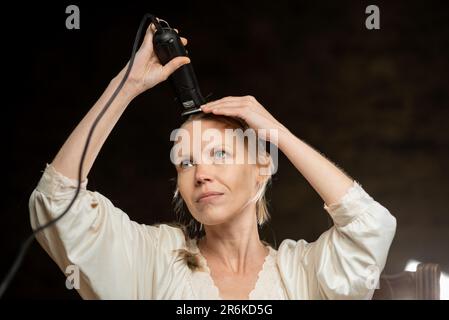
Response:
column 202, row 174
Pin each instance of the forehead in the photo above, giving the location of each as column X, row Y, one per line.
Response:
column 200, row 137
column 206, row 128
column 207, row 124
column 210, row 132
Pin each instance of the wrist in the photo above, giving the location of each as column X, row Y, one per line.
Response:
column 126, row 93
column 284, row 136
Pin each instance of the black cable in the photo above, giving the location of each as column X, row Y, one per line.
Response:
column 25, row 245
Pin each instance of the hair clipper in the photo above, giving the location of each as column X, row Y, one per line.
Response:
column 167, row 45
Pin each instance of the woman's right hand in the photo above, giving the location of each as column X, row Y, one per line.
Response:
column 147, row 71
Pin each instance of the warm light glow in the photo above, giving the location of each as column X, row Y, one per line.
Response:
column 444, row 279
column 412, row 265
column 444, row 286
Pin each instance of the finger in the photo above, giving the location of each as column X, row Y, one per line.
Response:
column 173, row 65
column 184, row 41
column 152, row 27
column 224, row 104
column 176, row 30
column 229, row 111
column 225, row 99
column 221, row 104
column 148, row 39
column 149, row 33
column 223, row 108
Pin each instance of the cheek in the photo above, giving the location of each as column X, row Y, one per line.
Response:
column 184, row 186
column 241, row 182
column 237, row 180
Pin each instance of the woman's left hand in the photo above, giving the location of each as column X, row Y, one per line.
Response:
column 246, row 108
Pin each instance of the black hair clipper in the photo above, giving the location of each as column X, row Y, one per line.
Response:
column 167, row 45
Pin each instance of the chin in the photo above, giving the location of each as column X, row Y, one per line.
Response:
column 212, row 217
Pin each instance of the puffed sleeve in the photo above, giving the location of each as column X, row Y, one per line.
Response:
column 117, row 258
column 345, row 261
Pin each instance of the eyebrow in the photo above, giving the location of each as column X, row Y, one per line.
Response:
column 220, row 145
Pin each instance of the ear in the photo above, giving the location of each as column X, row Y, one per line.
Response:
column 264, row 169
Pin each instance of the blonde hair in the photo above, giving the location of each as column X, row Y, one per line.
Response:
column 192, row 228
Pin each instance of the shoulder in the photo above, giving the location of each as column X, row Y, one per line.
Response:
column 167, row 236
column 291, row 251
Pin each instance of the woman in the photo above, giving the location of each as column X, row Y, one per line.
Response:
column 216, row 253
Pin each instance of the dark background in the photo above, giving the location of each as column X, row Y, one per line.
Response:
column 373, row 101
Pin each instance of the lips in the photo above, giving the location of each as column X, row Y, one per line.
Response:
column 207, row 195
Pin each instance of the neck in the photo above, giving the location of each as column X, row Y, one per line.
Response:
column 235, row 245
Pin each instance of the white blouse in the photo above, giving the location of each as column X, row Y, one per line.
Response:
column 121, row 259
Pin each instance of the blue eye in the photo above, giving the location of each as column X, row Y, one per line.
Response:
column 220, row 154
column 223, row 153
column 185, row 163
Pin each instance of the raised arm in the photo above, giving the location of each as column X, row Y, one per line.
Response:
column 145, row 74
column 346, row 260
column 330, row 182
column 117, row 258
